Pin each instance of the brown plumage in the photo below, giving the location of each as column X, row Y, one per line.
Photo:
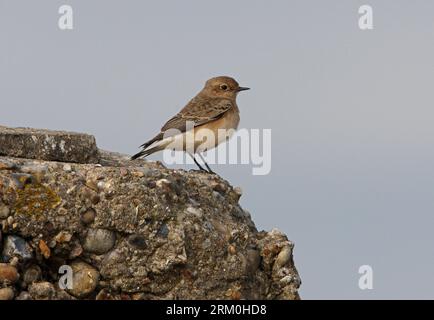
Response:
column 213, row 108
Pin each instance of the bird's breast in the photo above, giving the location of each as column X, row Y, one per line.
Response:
column 211, row 134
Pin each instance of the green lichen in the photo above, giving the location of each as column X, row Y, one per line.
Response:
column 35, row 199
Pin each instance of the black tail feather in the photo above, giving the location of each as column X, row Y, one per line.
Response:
column 145, row 153
column 148, row 143
column 138, row 155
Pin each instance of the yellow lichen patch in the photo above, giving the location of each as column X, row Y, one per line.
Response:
column 23, row 179
column 35, row 198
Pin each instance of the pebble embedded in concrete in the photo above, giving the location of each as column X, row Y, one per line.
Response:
column 88, row 216
column 32, row 274
column 85, row 279
column 8, row 273
column 283, row 257
column 137, row 241
column 6, row 294
column 16, row 246
column 4, row 211
column 42, row 291
column 24, row 295
column 99, row 241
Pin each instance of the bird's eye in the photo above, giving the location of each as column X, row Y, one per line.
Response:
column 223, row 87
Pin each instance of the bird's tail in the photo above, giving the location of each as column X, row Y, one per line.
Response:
column 147, row 152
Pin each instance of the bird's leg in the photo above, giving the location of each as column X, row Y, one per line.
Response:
column 195, row 161
column 206, row 164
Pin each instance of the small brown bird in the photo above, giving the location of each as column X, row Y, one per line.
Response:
column 211, row 109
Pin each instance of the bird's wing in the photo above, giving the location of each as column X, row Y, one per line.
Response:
column 198, row 111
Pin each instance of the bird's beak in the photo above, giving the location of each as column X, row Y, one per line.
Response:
column 242, row 89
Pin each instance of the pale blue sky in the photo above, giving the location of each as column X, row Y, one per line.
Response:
column 351, row 113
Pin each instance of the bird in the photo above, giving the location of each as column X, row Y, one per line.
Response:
column 213, row 108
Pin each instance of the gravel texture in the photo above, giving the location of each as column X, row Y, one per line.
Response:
column 128, row 229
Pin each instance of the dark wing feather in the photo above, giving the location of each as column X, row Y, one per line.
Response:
column 199, row 111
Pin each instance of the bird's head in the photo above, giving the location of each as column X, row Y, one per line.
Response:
column 222, row 87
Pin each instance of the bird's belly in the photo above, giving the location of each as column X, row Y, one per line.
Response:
column 212, row 134
column 204, row 137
